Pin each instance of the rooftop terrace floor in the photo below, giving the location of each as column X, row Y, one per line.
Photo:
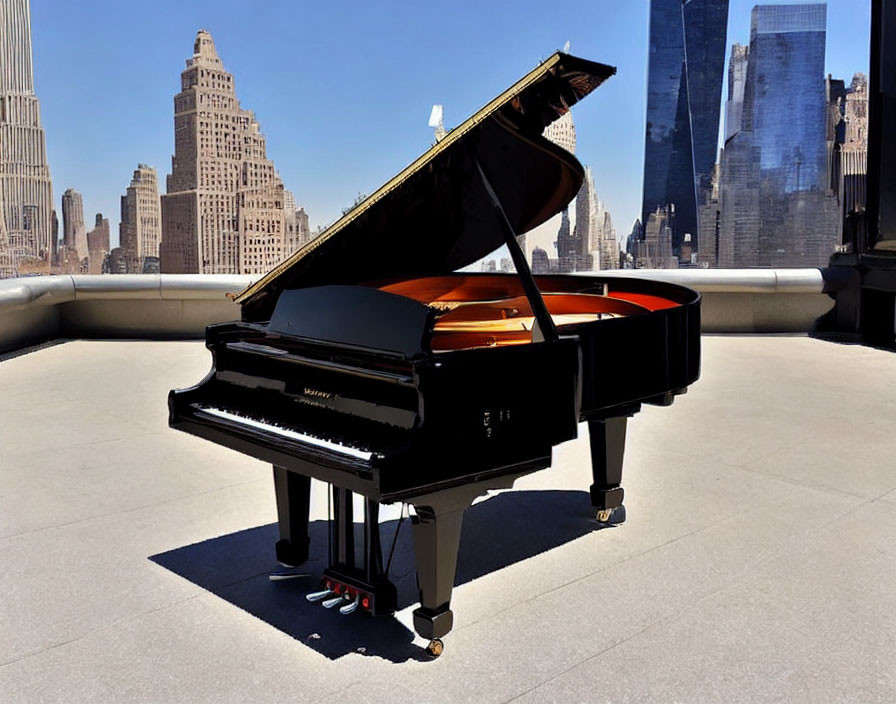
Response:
column 758, row 562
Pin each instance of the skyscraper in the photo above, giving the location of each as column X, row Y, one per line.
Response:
column 568, row 245
column 7, row 258
column 74, row 234
column 605, row 248
column 140, row 229
column 26, row 193
column 848, row 155
column 98, row 244
column 298, row 233
column 684, row 85
column 223, row 210
column 773, row 184
column 569, row 248
column 562, row 132
column 594, row 237
column 655, row 250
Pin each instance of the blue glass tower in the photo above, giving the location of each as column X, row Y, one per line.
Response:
column 684, row 85
column 784, row 100
column 774, row 209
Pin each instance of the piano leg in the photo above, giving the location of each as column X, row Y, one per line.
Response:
column 293, row 493
column 436, row 531
column 607, row 437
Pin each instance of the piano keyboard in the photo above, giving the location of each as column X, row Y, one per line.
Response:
column 286, row 433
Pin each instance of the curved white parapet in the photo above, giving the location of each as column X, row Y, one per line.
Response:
column 743, row 280
column 38, row 308
column 17, row 294
column 52, row 290
column 756, row 300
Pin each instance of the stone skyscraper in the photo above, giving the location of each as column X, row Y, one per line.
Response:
column 7, row 258
column 594, row 237
column 587, row 206
column 562, row 132
column 684, row 87
column 74, row 233
column 568, row 246
column 98, row 245
column 223, row 211
column 848, row 142
column 773, row 202
column 295, row 223
column 26, row 193
column 140, row 229
column 655, row 250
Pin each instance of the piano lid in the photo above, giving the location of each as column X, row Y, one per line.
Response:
column 435, row 217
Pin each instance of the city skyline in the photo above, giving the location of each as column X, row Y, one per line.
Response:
column 319, row 158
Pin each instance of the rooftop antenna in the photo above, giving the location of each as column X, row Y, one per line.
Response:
column 435, row 121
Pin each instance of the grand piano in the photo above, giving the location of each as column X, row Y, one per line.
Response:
column 369, row 362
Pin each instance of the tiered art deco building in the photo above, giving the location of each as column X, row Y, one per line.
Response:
column 224, row 207
column 26, row 193
column 140, row 230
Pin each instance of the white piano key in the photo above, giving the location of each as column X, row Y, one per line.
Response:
column 287, row 433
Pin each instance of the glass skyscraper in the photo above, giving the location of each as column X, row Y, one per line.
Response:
column 774, row 211
column 684, row 85
column 784, row 101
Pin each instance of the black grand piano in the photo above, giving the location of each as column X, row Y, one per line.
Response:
column 367, row 362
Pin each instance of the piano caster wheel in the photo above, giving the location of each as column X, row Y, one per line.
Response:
column 435, row 648
column 611, row 516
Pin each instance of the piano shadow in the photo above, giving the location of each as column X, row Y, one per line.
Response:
column 503, row 530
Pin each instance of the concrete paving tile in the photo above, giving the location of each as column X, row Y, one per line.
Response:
column 778, row 402
column 661, row 512
column 866, row 470
column 552, row 630
column 61, row 583
column 813, row 623
column 65, row 485
column 199, row 650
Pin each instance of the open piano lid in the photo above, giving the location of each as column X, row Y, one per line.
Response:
column 435, row 216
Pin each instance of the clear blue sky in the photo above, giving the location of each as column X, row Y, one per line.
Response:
column 343, row 90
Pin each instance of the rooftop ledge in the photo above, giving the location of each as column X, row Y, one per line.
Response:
column 160, row 306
